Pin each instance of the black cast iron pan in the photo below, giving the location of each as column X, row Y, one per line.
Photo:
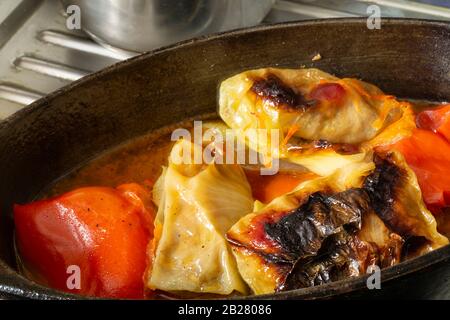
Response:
column 407, row 58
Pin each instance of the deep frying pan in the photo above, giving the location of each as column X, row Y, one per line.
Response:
column 407, row 58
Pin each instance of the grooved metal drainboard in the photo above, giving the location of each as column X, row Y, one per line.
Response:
column 38, row 54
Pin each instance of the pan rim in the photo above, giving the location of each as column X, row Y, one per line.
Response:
column 29, row 289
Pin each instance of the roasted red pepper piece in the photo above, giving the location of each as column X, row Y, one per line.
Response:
column 428, row 155
column 103, row 231
column 436, row 120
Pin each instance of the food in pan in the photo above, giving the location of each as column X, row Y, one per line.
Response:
column 362, row 180
column 197, row 205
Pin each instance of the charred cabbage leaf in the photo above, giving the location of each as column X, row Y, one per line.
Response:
column 397, row 199
column 348, row 254
column 308, row 104
column 197, row 204
column 268, row 244
column 333, row 227
column 301, row 232
column 322, row 122
column 336, row 260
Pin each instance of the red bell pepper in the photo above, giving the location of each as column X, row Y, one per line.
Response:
column 102, row 231
column 436, row 120
column 428, row 155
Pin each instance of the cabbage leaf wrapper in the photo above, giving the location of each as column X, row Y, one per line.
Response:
column 397, row 200
column 333, row 227
column 319, row 117
column 197, row 204
column 268, row 244
column 308, row 104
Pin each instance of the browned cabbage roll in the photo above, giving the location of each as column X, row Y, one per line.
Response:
column 335, row 227
column 197, row 204
column 307, row 103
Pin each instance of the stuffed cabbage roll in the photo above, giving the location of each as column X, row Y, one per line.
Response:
column 316, row 115
column 333, row 227
column 317, row 105
column 397, row 200
column 269, row 243
column 197, row 204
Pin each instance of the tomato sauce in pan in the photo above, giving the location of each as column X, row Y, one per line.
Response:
column 135, row 162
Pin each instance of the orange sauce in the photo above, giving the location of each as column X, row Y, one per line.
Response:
column 267, row 188
column 137, row 161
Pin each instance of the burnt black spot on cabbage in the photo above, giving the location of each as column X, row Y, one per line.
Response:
column 301, row 233
column 319, row 241
column 272, row 89
column 320, row 237
column 337, row 259
column 383, row 185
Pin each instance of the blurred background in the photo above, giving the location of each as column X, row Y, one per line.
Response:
column 42, row 47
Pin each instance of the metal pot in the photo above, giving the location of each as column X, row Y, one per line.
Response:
column 44, row 141
column 141, row 25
